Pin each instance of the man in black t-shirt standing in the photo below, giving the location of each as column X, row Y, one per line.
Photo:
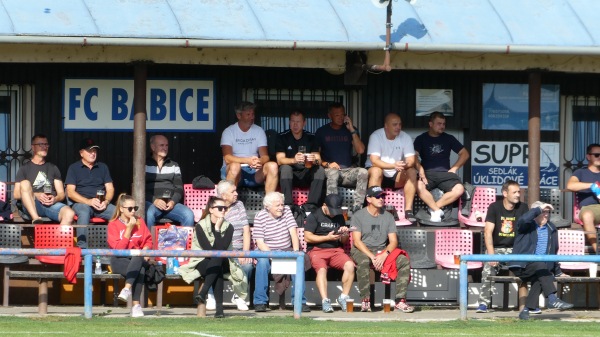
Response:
column 499, row 233
column 299, row 165
column 325, row 234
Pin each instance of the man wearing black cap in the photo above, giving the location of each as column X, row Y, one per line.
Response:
column 375, row 245
column 325, row 234
column 90, row 188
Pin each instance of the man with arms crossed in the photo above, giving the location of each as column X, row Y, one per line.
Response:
column 499, row 235
column 325, row 234
column 245, row 152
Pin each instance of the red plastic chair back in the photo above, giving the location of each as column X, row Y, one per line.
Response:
column 53, row 236
column 300, row 196
column 572, row 242
column 482, row 198
column 196, row 199
column 2, row 191
column 453, row 241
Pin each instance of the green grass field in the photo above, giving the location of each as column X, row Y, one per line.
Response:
column 276, row 326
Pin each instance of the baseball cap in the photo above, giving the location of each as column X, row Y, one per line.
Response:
column 375, row 191
column 88, row 144
column 334, row 204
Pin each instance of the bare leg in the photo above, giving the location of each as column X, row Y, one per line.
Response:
column 321, row 282
column 347, row 277
column 451, row 196
column 234, row 172
column 28, row 199
column 375, row 176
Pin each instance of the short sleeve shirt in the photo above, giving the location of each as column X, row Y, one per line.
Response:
column 87, row 181
column 435, row 151
column 238, row 218
column 39, row 175
column 320, row 224
column 287, row 143
column 335, row 145
column 244, row 144
column 274, row 232
column 505, row 222
column 374, row 230
column 389, row 151
column 586, row 197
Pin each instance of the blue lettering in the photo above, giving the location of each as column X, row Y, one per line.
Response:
column 119, row 104
column 187, row 116
column 73, row 102
column 202, row 104
column 172, row 104
column 158, row 110
column 87, row 104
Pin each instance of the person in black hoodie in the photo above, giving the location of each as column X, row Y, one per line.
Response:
column 536, row 235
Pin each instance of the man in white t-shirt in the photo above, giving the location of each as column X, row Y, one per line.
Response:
column 245, row 152
column 391, row 162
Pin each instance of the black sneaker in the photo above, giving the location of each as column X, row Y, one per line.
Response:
column 260, row 308
column 410, row 216
column 305, row 308
column 524, row 315
column 560, row 305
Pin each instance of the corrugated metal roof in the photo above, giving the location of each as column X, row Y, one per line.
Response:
column 559, row 23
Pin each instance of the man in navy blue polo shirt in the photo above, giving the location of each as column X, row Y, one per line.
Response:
column 90, row 188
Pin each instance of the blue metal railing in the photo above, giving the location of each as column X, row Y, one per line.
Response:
column 463, row 283
column 88, row 255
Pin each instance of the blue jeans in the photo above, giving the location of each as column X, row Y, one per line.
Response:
column 180, row 213
column 261, row 286
column 46, row 211
column 84, row 213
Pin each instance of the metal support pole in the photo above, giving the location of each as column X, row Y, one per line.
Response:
column 87, row 285
column 299, row 286
column 535, row 93
column 463, row 290
column 139, row 137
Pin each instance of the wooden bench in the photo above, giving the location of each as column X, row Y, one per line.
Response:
column 506, row 282
column 44, row 276
column 562, row 281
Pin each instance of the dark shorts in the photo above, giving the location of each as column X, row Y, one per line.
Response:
column 445, row 181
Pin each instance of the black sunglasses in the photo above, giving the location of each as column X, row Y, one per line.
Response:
column 221, row 208
column 132, row 208
column 594, row 154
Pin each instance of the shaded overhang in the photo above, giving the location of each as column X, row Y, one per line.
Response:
column 503, row 34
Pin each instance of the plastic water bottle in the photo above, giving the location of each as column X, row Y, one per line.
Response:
column 98, row 269
column 175, row 265
column 169, row 266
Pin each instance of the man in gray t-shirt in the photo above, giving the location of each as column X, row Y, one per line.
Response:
column 375, row 245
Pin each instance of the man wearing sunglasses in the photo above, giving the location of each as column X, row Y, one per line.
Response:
column 39, row 187
column 90, row 188
column 164, row 186
column 585, row 183
column 375, row 245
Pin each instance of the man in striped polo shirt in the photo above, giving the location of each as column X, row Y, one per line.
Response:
column 274, row 229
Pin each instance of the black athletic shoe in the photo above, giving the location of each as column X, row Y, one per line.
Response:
column 260, row 308
column 410, row 216
column 560, row 305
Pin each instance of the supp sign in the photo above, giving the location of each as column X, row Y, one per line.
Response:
column 107, row 105
column 493, row 163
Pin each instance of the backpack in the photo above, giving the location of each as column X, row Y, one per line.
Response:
column 299, row 214
column 5, row 211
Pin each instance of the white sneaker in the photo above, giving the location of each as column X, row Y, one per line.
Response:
column 136, row 311
column 211, row 304
column 436, row 216
column 241, row 304
column 124, row 294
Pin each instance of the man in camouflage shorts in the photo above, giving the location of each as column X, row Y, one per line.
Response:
column 375, row 245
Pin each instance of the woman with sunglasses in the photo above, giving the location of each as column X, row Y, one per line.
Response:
column 126, row 231
column 213, row 232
